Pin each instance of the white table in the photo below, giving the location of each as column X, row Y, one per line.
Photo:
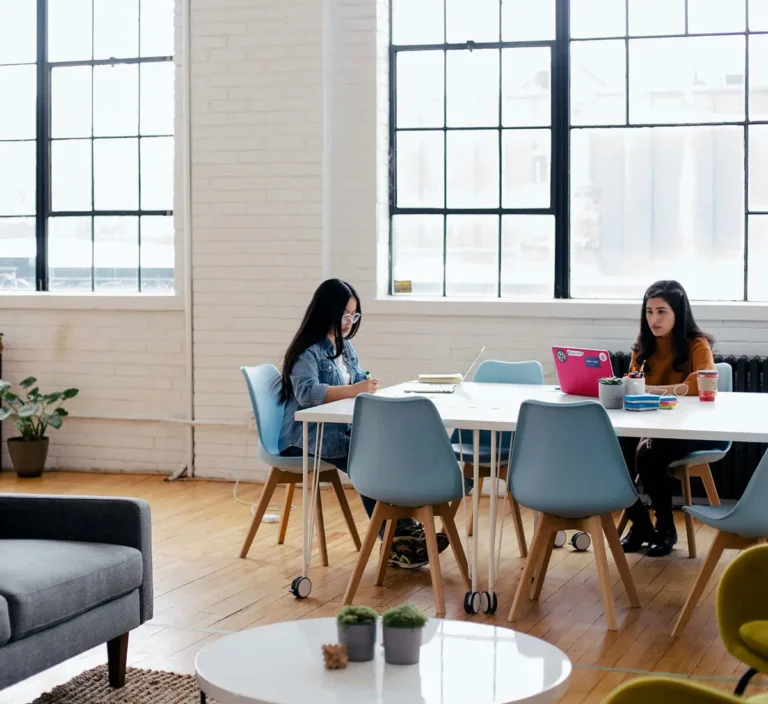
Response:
column 460, row 662
column 495, row 407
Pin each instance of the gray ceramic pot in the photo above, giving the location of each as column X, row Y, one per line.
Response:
column 402, row 646
column 611, row 396
column 360, row 640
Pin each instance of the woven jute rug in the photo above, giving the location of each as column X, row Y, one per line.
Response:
column 141, row 687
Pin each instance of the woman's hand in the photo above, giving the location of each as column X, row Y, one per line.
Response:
column 367, row 386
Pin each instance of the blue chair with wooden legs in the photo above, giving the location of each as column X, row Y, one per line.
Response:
column 262, row 382
column 567, row 465
column 496, row 372
column 400, row 456
column 697, row 464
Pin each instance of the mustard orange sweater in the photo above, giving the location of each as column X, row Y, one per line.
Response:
column 659, row 370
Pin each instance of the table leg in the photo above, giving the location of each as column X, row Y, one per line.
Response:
column 475, row 506
column 305, row 503
column 492, row 531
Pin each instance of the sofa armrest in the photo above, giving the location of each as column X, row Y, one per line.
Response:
column 92, row 519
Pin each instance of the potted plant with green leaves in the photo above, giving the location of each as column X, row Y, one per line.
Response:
column 402, row 627
column 33, row 413
column 611, row 392
column 356, row 626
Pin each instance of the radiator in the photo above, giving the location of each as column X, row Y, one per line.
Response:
column 732, row 474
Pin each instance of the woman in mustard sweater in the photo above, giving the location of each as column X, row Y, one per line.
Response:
column 671, row 348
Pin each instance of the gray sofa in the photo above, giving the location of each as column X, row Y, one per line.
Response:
column 75, row 572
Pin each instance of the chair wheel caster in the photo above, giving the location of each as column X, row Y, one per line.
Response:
column 489, row 602
column 472, row 602
column 581, row 541
column 301, row 587
column 560, row 539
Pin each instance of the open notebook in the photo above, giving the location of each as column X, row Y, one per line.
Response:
column 440, row 383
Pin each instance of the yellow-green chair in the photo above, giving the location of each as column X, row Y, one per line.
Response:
column 668, row 690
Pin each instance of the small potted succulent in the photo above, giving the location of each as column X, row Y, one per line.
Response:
column 356, row 626
column 611, row 392
column 403, row 634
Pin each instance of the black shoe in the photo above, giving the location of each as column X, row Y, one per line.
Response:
column 636, row 538
column 416, row 532
column 662, row 542
column 407, row 553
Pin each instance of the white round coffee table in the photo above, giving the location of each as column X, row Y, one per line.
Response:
column 461, row 662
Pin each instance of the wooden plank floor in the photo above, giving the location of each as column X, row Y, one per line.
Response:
column 203, row 591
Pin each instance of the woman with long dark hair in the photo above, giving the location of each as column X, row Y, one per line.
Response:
column 670, row 349
column 321, row 366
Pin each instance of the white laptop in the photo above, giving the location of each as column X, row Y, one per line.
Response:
column 432, row 386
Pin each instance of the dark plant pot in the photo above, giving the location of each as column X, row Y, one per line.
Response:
column 28, row 456
column 402, row 646
column 360, row 640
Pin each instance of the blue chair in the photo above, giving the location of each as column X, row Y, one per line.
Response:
column 400, row 456
column 494, row 372
column 739, row 527
column 567, row 465
column 262, row 382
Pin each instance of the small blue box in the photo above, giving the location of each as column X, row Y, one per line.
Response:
column 642, row 402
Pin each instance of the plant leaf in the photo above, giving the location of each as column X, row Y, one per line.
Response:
column 52, row 398
column 63, row 412
column 4, row 386
column 29, row 410
column 12, row 398
column 29, row 381
column 54, row 420
column 5, row 413
column 70, row 393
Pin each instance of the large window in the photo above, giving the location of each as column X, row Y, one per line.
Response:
column 579, row 148
column 86, row 145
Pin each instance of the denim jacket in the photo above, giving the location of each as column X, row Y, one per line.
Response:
column 313, row 372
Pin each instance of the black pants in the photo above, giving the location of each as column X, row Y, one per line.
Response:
column 651, row 459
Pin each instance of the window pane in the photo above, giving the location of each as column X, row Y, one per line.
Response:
column 69, row 30
column 157, row 98
column 758, row 174
column 157, row 254
column 116, row 100
column 116, row 29
column 18, row 31
column 528, row 256
column 476, row 21
column 716, row 16
column 525, row 75
column 473, row 169
column 522, row 20
column 758, row 258
column 657, row 203
column 116, row 253
column 71, row 101
column 472, row 255
column 420, row 88
column 656, row 17
column 686, row 80
column 420, row 169
column 157, row 28
column 157, row 173
column 70, row 254
column 71, row 175
column 417, row 22
column 758, row 15
column 598, row 83
column 18, row 254
column 17, row 178
column 116, row 174
column 473, row 88
column 526, row 168
column 417, row 252
column 18, row 93
column 758, row 77
column 598, row 18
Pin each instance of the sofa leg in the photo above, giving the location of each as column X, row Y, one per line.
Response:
column 117, row 656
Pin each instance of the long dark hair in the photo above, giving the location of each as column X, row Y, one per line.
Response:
column 685, row 331
column 323, row 315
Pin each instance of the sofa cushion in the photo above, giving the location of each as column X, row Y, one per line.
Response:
column 5, row 622
column 46, row 582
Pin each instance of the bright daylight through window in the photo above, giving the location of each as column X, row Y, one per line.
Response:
column 86, row 145
column 581, row 149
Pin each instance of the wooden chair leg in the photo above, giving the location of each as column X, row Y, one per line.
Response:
column 690, row 529
column 614, row 543
column 289, row 489
column 338, row 488
column 705, row 472
column 117, row 658
column 428, row 520
column 603, row 576
column 471, row 504
column 321, row 531
column 522, row 544
column 541, row 538
column 710, row 562
column 365, row 552
column 266, row 496
column 449, row 525
column 541, row 571
column 386, row 546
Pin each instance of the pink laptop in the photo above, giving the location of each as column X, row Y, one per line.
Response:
column 578, row 370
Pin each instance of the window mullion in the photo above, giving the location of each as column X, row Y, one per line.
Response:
column 560, row 173
column 42, row 134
